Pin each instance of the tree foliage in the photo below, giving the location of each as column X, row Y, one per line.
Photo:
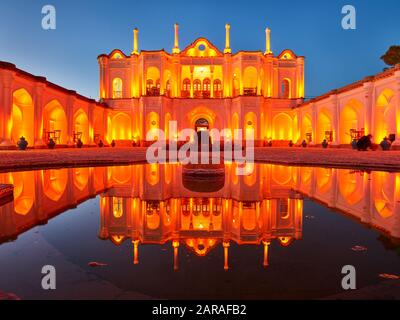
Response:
column 392, row 56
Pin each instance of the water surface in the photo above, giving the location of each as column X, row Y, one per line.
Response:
column 277, row 233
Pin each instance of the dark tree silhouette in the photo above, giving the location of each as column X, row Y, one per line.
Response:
column 392, row 56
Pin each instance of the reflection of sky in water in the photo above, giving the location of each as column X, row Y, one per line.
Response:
column 308, row 267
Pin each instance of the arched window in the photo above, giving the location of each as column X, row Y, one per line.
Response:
column 197, row 88
column 286, row 89
column 217, row 88
column 117, row 88
column 206, row 88
column 186, row 88
column 168, row 88
column 149, row 85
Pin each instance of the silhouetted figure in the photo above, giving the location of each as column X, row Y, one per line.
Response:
column 385, row 144
column 113, row 144
column 304, row 144
column 364, row 143
column 101, row 144
column 325, row 144
column 291, row 144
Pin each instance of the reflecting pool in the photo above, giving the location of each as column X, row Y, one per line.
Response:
column 170, row 232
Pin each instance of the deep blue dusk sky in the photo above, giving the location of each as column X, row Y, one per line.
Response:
column 85, row 29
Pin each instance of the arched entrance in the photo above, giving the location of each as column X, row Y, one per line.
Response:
column 202, row 128
column 22, row 116
column 202, row 125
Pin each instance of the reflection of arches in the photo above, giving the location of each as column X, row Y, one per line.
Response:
column 324, row 179
column 81, row 123
column 350, row 119
column 121, row 127
column 350, row 186
column 56, row 120
column 153, row 220
column 250, row 174
column 24, row 191
column 22, row 116
column 324, row 125
column 249, row 219
column 81, row 178
column 281, row 175
column 121, row 175
column 153, row 174
column 383, row 195
column 282, row 127
column 117, row 88
column 54, row 183
column 385, row 115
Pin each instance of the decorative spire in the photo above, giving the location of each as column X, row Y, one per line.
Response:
column 135, row 41
column 227, row 38
column 268, row 41
column 176, row 49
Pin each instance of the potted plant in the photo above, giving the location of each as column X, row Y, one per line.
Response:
column 51, row 144
column 22, row 143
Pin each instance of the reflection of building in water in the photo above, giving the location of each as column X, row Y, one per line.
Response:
column 151, row 204
column 246, row 210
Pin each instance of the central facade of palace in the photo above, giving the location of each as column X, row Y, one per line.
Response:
column 200, row 86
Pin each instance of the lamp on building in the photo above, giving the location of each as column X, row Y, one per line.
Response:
column 176, row 49
column 227, row 38
column 268, row 41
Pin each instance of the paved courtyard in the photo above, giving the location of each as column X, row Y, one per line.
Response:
column 341, row 158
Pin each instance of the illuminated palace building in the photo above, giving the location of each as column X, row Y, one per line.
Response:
column 165, row 205
column 199, row 87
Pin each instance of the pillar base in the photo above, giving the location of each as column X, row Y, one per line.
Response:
column 396, row 145
column 39, row 144
column 6, row 143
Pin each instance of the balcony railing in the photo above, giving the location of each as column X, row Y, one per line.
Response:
column 153, row 92
column 249, row 91
column 117, row 94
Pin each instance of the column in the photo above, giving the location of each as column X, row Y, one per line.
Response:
column 335, row 120
column 38, row 107
column 368, row 105
column 91, row 108
column 135, row 41
column 212, row 81
column 7, row 101
column 396, row 143
column 70, row 118
column 268, row 41
column 176, row 49
column 191, row 82
column 227, row 38
column 314, row 124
